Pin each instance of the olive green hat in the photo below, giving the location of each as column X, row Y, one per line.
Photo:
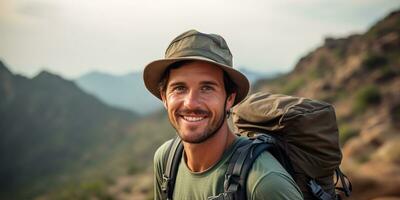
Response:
column 194, row 45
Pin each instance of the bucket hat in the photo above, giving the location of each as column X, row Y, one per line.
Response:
column 194, row 45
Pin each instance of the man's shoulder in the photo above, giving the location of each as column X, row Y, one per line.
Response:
column 268, row 177
column 266, row 164
column 161, row 152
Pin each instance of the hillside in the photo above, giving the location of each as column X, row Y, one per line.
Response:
column 52, row 132
column 125, row 91
column 58, row 142
column 360, row 76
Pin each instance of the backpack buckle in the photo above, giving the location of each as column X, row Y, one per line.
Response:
column 165, row 184
column 231, row 182
column 265, row 138
column 317, row 191
column 222, row 196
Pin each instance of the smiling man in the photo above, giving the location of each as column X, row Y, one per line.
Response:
column 198, row 86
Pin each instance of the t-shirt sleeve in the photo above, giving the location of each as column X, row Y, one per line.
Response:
column 276, row 186
column 159, row 168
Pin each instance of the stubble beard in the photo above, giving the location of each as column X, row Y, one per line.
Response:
column 208, row 132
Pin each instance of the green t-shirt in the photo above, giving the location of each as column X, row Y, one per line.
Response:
column 267, row 178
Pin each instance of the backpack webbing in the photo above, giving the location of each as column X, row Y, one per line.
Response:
column 241, row 163
column 174, row 155
column 239, row 167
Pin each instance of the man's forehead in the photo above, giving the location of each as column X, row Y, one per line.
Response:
column 198, row 72
column 198, row 68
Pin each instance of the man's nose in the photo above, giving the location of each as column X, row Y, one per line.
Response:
column 192, row 100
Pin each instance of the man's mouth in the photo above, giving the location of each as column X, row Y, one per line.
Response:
column 192, row 119
column 193, row 115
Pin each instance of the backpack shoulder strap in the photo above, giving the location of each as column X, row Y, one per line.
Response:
column 171, row 163
column 241, row 163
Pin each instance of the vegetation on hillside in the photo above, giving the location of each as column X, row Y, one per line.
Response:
column 61, row 143
column 360, row 76
column 53, row 133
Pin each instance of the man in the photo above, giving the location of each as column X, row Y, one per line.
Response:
column 198, row 86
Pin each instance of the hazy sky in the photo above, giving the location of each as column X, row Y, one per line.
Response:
column 72, row 37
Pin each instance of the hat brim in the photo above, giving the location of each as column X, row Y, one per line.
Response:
column 153, row 71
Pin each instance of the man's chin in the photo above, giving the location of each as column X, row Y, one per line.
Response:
column 191, row 139
column 196, row 138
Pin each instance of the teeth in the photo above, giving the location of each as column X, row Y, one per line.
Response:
column 193, row 119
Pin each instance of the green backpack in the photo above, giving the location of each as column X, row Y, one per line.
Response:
column 300, row 133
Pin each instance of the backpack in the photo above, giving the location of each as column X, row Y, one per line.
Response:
column 300, row 133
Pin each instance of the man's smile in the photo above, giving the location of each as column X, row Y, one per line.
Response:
column 192, row 119
column 193, row 115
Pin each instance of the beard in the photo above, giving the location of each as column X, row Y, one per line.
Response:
column 209, row 132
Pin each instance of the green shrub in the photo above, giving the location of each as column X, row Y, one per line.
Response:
column 127, row 189
column 338, row 95
column 387, row 73
column 372, row 62
column 321, row 69
column 317, row 73
column 363, row 158
column 339, row 52
column 293, row 86
column 94, row 189
column 366, row 96
column 133, row 169
column 395, row 113
column 346, row 132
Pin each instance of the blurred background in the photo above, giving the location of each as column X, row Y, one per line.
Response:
column 77, row 123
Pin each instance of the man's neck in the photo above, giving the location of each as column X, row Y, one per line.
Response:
column 202, row 156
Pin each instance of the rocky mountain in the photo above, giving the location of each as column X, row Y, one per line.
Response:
column 125, row 91
column 360, row 76
column 52, row 131
column 50, row 128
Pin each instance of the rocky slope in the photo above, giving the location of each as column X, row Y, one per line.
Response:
column 52, row 131
column 360, row 76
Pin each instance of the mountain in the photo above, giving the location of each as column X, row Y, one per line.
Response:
column 48, row 122
column 126, row 91
column 360, row 76
column 52, row 132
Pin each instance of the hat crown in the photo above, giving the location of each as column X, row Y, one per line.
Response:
column 195, row 43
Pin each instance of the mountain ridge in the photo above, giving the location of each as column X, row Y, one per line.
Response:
column 360, row 76
column 50, row 127
column 123, row 91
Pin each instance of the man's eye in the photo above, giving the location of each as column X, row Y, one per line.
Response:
column 179, row 89
column 207, row 88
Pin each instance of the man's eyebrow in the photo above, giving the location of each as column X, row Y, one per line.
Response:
column 176, row 83
column 209, row 83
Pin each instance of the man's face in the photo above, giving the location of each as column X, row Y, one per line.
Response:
column 195, row 100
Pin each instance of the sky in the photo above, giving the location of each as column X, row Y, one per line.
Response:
column 74, row 37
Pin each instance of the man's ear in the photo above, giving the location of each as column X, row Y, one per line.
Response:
column 164, row 99
column 230, row 101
